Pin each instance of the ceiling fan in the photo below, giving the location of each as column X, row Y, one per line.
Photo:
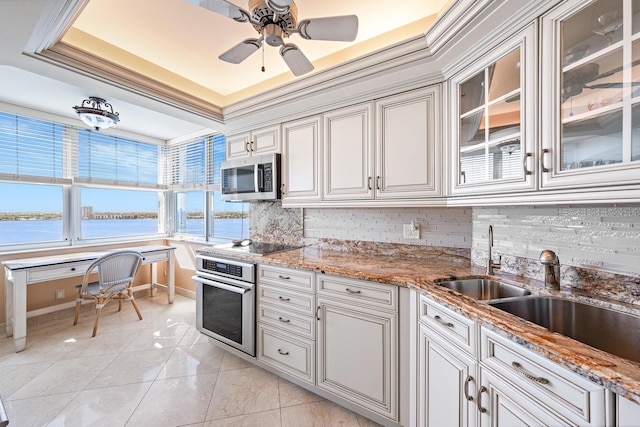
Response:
column 579, row 78
column 275, row 20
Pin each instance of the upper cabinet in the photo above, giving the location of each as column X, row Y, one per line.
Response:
column 591, row 97
column 260, row 141
column 301, row 160
column 384, row 150
column 493, row 113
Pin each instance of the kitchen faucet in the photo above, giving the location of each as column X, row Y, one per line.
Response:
column 490, row 264
column 551, row 264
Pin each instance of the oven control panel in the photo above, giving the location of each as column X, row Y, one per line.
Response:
column 236, row 269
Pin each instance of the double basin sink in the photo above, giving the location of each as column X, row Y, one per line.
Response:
column 612, row 331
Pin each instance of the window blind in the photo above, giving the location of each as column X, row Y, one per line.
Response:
column 32, row 150
column 195, row 163
column 112, row 160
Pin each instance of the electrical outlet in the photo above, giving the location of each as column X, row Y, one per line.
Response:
column 59, row 294
column 410, row 231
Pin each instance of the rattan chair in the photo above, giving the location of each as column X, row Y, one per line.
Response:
column 116, row 271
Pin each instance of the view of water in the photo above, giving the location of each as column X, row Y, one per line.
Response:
column 14, row 232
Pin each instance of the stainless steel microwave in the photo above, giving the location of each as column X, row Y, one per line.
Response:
column 249, row 179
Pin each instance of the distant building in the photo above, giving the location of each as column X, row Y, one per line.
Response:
column 87, row 212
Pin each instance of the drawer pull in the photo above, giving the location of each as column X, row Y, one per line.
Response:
column 351, row 291
column 318, row 313
column 280, row 276
column 281, row 298
column 283, row 320
column 73, row 269
column 481, row 390
column 518, row 367
column 442, row 322
column 284, row 353
column 466, row 388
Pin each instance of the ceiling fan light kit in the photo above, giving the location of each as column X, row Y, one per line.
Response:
column 91, row 112
column 275, row 20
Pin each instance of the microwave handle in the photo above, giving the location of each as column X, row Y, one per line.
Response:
column 258, row 178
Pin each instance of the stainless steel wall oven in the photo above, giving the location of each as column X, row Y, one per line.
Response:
column 225, row 297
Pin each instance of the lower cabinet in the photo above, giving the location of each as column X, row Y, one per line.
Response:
column 627, row 413
column 342, row 340
column 446, row 379
column 357, row 355
column 471, row 376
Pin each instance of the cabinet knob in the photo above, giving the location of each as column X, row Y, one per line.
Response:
column 369, row 183
column 73, row 269
column 481, row 390
column 246, row 147
column 377, row 182
column 466, row 388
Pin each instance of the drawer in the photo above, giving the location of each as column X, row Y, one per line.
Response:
column 562, row 390
column 289, row 300
column 292, row 356
column 287, row 320
column 42, row 274
column 457, row 329
column 359, row 291
column 286, row 277
column 151, row 257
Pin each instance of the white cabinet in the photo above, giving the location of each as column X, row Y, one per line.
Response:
column 627, row 413
column 358, row 343
column 591, row 102
column 393, row 156
column 446, row 383
column 408, row 155
column 529, row 381
column 447, row 377
column 502, row 404
column 286, row 321
column 260, row 141
column 348, row 153
column 493, row 113
column 301, row 160
column 467, row 376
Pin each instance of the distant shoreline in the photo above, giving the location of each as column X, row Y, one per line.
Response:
column 38, row 216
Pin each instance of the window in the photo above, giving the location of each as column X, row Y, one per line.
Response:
column 110, row 212
column 228, row 220
column 37, row 218
column 190, row 213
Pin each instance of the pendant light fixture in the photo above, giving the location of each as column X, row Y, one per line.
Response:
column 97, row 113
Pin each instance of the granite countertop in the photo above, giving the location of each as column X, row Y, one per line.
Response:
column 419, row 273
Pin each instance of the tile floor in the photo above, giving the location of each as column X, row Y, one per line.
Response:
column 158, row 371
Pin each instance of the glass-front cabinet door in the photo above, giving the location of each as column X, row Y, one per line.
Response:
column 591, row 94
column 493, row 111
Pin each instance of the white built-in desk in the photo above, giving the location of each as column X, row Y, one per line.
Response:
column 21, row 272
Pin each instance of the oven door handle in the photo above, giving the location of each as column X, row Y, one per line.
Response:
column 220, row 285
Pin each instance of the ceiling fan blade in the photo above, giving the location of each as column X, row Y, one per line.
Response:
column 295, row 59
column 334, row 28
column 241, row 51
column 612, row 85
column 223, row 8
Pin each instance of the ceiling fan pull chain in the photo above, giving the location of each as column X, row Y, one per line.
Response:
column 263, row 69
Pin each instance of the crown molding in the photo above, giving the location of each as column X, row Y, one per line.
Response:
column 82, row 62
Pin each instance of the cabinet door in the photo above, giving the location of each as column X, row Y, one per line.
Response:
column 591, row 102
column 408, row 158
column 301, row 160
column 494, row 116
column 627, row 413
column 348, row 153
column 238, row 145
column 502, row 404
column 447, row 382
column 265, row 140
column 357, row 355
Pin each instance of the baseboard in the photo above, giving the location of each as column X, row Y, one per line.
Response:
column 186, row 293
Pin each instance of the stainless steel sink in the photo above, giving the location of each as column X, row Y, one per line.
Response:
column 483, row 289
column 609, row 330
